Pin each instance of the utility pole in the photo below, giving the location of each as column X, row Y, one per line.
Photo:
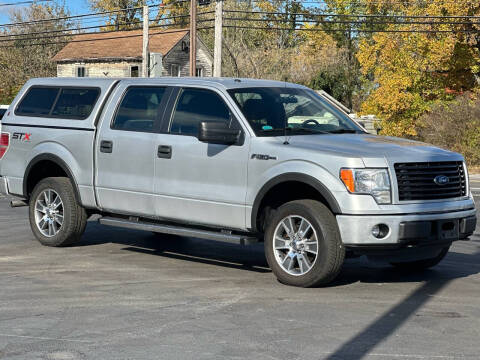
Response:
column 217, row 49
column 145, row 56
column 193, row 37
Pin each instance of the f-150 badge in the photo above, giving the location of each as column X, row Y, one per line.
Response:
column 263, row 157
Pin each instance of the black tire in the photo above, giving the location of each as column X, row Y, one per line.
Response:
column 74, row 216
column 330, row 252
column 420, row 265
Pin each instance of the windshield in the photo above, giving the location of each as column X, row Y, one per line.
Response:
column 273, row 111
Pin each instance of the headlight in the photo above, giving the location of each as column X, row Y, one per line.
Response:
column 375, row 182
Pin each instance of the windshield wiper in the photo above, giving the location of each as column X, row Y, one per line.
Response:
column 310, row 130
column 344, row 131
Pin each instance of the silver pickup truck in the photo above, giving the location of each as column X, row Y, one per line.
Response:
column 232, row 160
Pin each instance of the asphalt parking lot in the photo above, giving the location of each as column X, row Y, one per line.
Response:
column 123, row 294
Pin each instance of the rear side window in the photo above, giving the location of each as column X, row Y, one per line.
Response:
column 38, row 101
column 58, row 102
column 139, row 109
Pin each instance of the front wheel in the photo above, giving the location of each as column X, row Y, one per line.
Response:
column 303, row 245
column 56, row 219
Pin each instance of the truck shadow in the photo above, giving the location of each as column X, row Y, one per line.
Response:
column 252, row 257
column 455, row 265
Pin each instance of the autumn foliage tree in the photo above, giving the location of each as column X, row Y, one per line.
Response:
column 413, row 71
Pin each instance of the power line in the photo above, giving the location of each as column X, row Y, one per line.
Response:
column 101, row 39
column 86, row 33
column 76, row 16
column 359, row 15
column 347, row 29
column 24, row 2
column 356, row 22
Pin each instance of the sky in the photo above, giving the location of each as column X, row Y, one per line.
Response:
column 75, row 6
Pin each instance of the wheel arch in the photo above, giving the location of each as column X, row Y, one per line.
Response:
column 38, row 163
column 323, row 193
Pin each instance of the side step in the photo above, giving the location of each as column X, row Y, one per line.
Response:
column 18, row 203
column 179, row 230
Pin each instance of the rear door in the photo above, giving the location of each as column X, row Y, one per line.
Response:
column 198, row 182
column 126, row 149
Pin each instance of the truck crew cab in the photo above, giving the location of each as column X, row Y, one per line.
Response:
column 233, row 160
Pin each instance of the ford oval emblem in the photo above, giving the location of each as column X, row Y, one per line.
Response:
column 441, row 180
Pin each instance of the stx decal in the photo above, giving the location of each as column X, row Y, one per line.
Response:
column 21, row 136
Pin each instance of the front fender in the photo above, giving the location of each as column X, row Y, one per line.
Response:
column 293, row 170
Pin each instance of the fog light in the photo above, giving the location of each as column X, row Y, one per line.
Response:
column 380, row 231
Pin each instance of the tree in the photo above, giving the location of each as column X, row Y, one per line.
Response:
column 414, row 71
column 28, row 50
column 128, row 18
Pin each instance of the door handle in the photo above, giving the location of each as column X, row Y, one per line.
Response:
column 106, row 146
column 164, row 152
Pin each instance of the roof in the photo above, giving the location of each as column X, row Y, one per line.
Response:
column 225, row 83
column 118, row 45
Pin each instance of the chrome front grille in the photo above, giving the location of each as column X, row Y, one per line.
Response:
column 423, row 180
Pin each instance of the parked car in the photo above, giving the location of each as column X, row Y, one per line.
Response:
column 232, row 160
column 3, row 110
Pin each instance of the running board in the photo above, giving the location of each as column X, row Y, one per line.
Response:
column 179, row 230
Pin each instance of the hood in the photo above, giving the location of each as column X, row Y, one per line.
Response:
column 369, row 147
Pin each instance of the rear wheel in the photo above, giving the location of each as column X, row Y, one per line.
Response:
column 420, row 265
column 56, row 219
column 303, row 245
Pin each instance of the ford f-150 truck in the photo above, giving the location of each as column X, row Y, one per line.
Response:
column 234, row 160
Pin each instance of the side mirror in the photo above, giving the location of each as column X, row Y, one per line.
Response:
column 214, row 132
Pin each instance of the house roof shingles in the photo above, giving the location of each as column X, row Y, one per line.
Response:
column 117, row 45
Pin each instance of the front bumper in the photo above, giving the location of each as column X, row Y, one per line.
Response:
column 415, row 229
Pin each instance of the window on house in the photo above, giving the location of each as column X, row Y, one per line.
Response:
column 133, row 71
column 174, row 70
column 80, row 71
column 199, row 72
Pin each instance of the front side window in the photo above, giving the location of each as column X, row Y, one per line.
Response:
column 139, row 109
column 75, row 103
column 195, row 106
column 38, row 101
column 273, row 111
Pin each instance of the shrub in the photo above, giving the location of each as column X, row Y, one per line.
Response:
column 454, row 126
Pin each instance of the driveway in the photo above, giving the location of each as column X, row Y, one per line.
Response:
column 123, row 294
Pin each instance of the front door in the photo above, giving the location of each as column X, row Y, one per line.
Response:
column 126, row 150
column 197, row 182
